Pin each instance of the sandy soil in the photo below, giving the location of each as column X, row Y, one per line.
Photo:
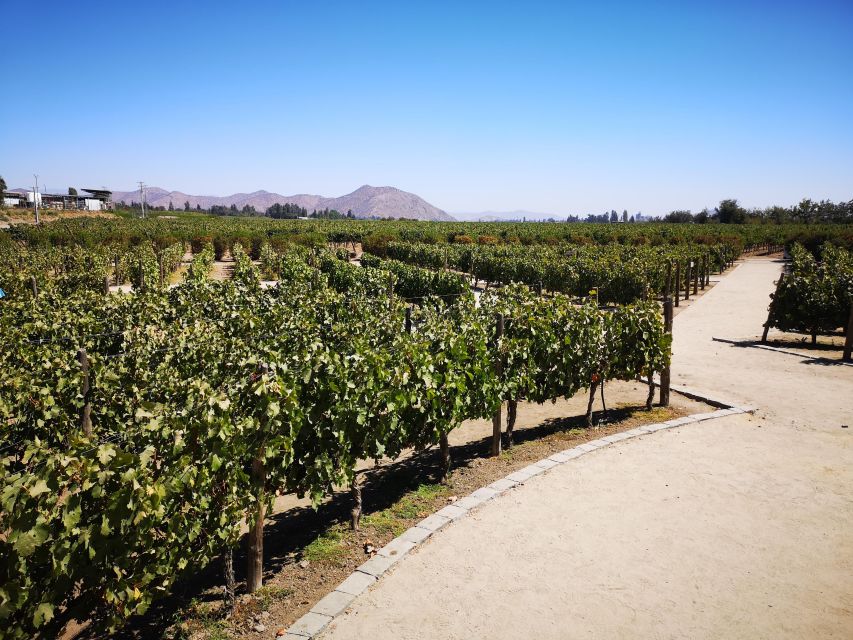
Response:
column 738, row 528
column 18, row 216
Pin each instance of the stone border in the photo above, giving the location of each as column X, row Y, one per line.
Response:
column 315, row 621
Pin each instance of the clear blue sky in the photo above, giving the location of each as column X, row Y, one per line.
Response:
column 554, row 107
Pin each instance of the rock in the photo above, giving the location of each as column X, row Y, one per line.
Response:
column 259, row 628
column 265, row 614
column 304, row 564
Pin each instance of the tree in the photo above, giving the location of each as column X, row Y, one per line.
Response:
column 730, row 212
column 72, row 191
column 624, row 215
column 171, row 206
column 614, row 217
column 187, row 205
column 679, row 216
column 702, row 216
column 2, row 186
column 631, row 219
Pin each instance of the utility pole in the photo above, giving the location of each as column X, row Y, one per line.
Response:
column 142, row 196
column 36, row 197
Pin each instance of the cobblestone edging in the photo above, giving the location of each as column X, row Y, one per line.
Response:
column 312, row 623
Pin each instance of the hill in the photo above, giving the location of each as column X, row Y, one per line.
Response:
column 364, row 202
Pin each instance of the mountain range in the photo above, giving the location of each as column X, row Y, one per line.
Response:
column 364, row 202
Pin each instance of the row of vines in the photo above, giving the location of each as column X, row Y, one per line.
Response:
column 140, row 431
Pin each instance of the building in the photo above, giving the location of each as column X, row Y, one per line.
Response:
column 91, row 200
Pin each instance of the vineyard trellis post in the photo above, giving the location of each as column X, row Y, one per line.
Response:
column 85, row 392
column 666, row 282
column 665, row 373
column 677, row 286
column 141, row 277
column 408, row 319
column 34, row 286
column 106, row 285
column 162, row 274
column 696, row 279
column 770, row 309
column 688, row 266
column 115, row 270
column 255, row 547
column 497, row 418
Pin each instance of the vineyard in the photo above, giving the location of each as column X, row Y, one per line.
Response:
column 816, row 296
column 141, row 431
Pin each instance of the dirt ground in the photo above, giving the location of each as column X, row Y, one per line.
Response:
column 25, row 216
column 734, row 528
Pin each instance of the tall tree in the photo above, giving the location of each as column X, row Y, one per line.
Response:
column 2, row 186
column 730, row 212
column 186, row 205
column 72, row 191
column 624, row 215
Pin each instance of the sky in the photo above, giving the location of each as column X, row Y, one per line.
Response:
column 554, row 107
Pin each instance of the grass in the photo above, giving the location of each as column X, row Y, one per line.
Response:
column 416, row 504
column 327, row 547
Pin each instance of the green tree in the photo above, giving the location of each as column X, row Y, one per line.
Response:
column 186, row 205
column 624, row 215
column 730, row 212
column 2, row 186
column 72, row 191
column 171, row 206
column 679, row 216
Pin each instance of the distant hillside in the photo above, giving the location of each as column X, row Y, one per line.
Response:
column 498, row 216
column 364, row 202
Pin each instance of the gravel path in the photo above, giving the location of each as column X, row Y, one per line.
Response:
column 734, row 528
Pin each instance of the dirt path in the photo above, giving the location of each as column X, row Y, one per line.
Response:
column 738, row 528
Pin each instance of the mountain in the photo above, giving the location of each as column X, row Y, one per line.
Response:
column 500, row 216
column 364, row 202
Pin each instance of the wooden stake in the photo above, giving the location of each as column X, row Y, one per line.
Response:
column 696, row 279
column 255, row 551
column 666, row 373
column 497, row 418
column 677, row 286
column 408, row 319
column 687, row 280
column 35, row 286
column 848, row 341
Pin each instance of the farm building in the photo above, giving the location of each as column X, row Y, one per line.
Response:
column 91, row 200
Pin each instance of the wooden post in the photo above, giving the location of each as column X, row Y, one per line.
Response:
column 696, row 279
column 704, row 270
column 770, row 310
column 85, row 391
column 848, row 341
column 665, row 374
column 390, row 290
column 496, row 419
column 115, row 270
column 161, row 271
column 677, row 286
column 255, row 551
column 707, row 269
column 666, row 282
column 539, row 288
column 687, row 280
column 408, row 319
column 106, row 285
column 35, row 286
column 141, row 277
